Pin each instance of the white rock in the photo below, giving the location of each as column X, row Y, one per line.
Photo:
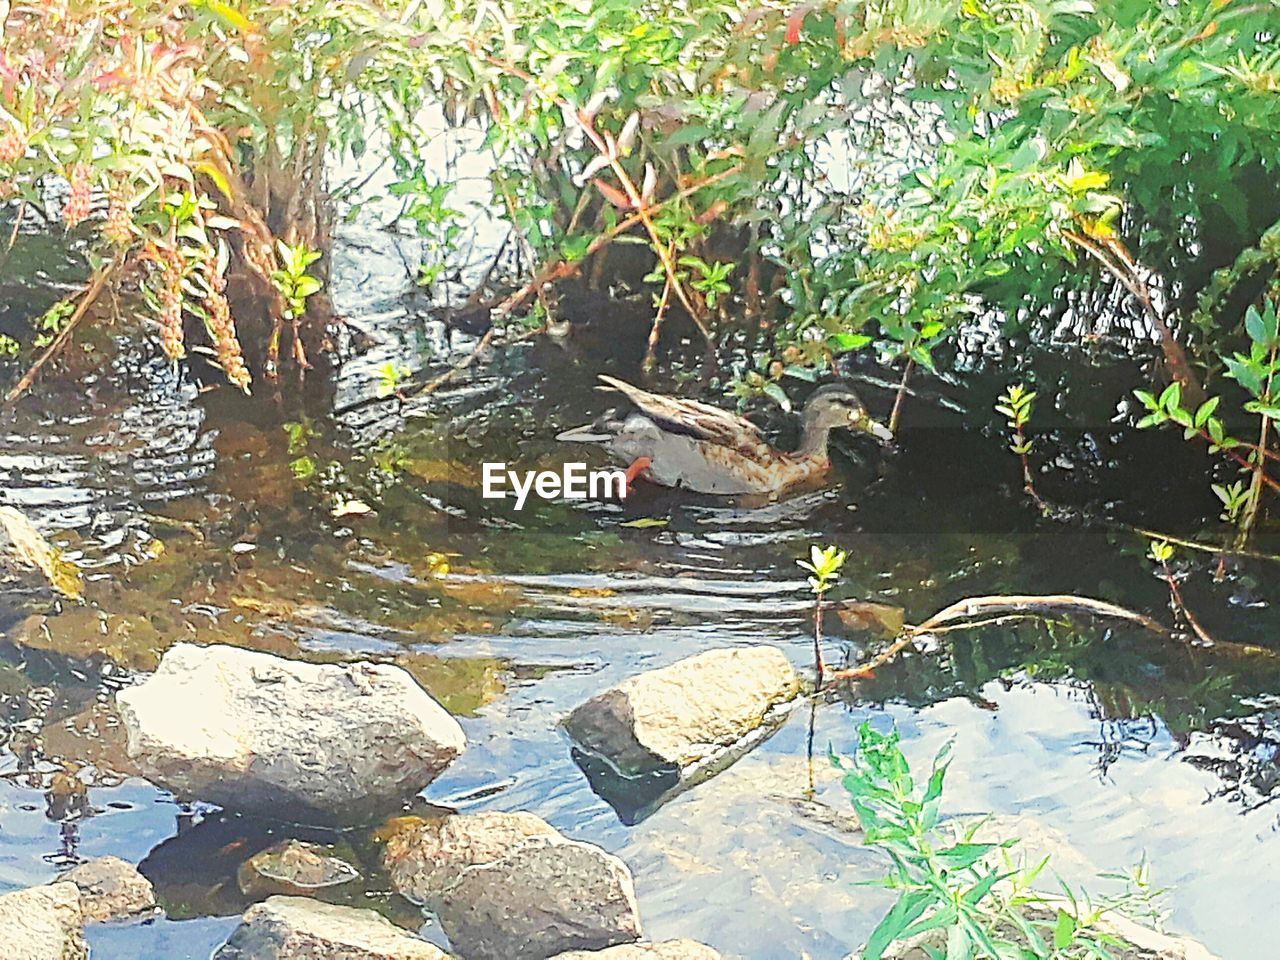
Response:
column 667, row 950
column 678, row 715
column 295, row 928
column 111, row 889
column 307, row 742
column 42, row 923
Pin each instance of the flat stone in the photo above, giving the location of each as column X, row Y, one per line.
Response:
column 312, row 743
column 684, row 713
column 111, row 889
column 666, row 950
column 428, row 857
column 42, row 923
column 546, row 895
column 294, row 928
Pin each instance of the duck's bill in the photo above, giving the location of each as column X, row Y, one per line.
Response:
column 879, row 431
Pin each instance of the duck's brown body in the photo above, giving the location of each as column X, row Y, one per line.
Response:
column 699, row 447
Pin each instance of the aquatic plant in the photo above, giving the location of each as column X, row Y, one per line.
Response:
column 1016, row 404
column 1161, row 552
column 879, row 173
column 967, row 898
column 823, row 566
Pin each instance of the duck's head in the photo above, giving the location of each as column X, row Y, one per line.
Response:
column 836, row 405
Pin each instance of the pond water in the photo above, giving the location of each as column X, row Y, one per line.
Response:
column 204, row 518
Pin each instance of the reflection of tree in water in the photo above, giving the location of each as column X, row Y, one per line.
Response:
column 1244, row 753
column 1138, row 688
column 1120, row 735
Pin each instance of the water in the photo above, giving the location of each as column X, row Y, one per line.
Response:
column 191, row 523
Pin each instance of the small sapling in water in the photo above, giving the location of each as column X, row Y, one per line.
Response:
column 823, row 565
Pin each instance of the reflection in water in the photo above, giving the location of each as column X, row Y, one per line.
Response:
column 195, row 523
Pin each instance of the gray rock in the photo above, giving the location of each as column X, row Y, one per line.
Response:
column 111, row 889
column 667, row 950
column 294, row 928
column 42, row 923
column 544, row 896
column 426, row 858
column 317, row 743
column 679, row 715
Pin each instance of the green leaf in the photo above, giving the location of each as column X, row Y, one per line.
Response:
column 905, row 912
column 1064, row 931
column 1254, row 326
column 963, row 855
column 778, row 395
column 1206, row 411
column 229, row 15
column 844, row 342
column 645, row 523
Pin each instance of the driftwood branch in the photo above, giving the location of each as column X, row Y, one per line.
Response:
column 985, row 611
column 1116, row 260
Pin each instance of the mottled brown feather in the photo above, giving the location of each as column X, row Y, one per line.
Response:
column 696, row 419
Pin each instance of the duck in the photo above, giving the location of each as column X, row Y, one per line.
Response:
column 685, row 444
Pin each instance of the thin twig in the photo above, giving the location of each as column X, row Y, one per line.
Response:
column 960, row 616
column 96, row 285
column 561, row 269
column 898, row 400
column 1202, row 547
column 640, row 203
column 13, row 234
column 1116, row 260
column 655, row 331
column 1180, row 606
column 819, row 664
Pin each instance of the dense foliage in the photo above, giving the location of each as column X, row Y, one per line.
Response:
column 810, row 179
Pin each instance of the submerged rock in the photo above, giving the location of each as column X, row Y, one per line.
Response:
column 667, row 950
column 294, row 928
column 304, row 742
column 42, row 923
column 111, row 889
column 545, row 896
column 425, row 858
column 293, row 868
column 674, row 717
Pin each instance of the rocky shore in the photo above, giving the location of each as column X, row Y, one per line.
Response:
column 347, row 746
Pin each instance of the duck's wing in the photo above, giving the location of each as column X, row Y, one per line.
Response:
column 692, row 418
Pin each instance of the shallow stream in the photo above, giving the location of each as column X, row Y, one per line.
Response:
column 204, row 518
